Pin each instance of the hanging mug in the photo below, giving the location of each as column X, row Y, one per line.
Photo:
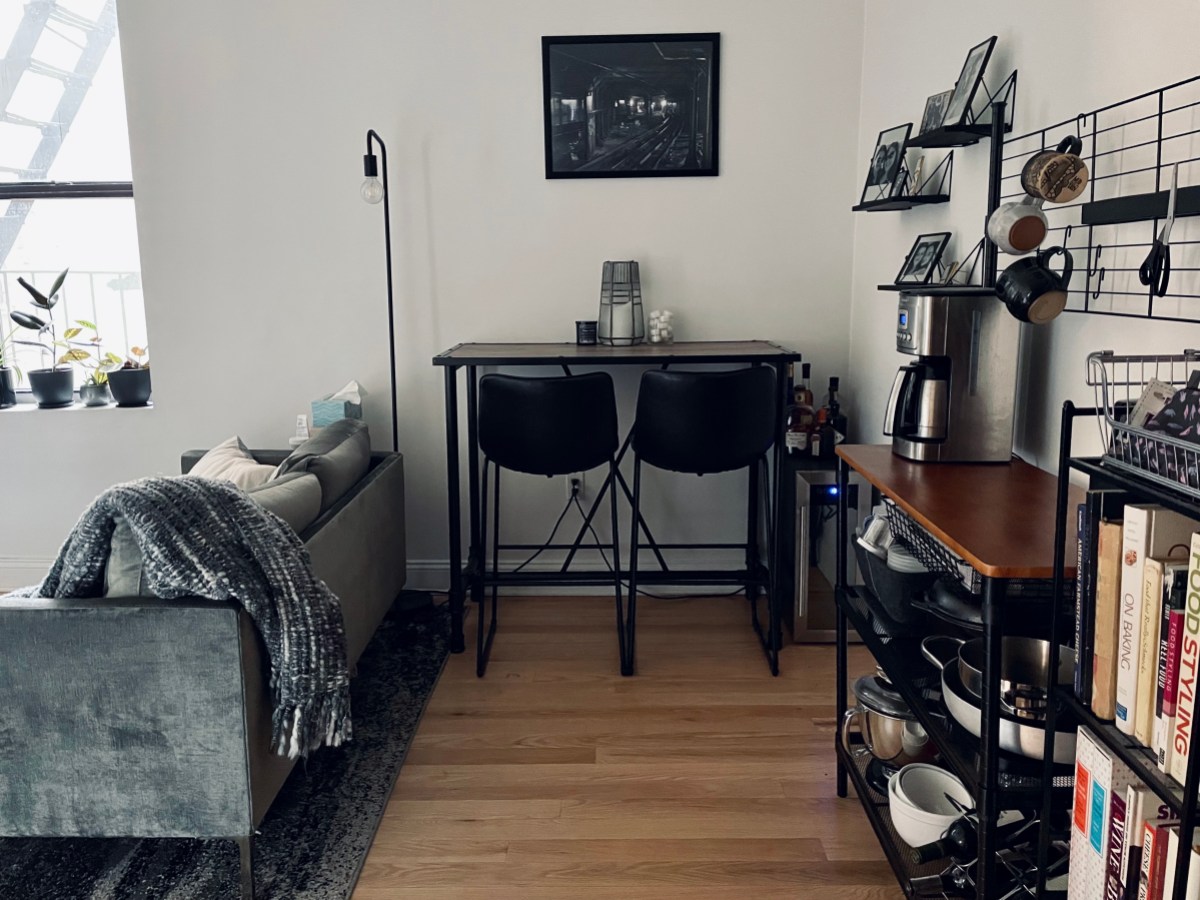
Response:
column 1057, row 176
column 1032, row 291
column 1018, row 226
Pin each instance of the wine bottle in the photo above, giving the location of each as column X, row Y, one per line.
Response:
column 800, row 416
column 961, row 840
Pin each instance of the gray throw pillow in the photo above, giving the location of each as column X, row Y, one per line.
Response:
column 295, row 498
column 125, row 576
column 339, row 456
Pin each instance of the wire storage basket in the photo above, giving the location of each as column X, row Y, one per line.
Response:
column 1125, row 388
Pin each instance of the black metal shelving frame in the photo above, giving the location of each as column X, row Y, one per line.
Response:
column 1182, row 799
column 977, row 762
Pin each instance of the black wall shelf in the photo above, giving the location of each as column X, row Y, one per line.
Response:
column 959, row 136
column 895, row 203
column 941, row 290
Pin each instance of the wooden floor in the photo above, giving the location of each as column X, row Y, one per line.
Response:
column 700, row 777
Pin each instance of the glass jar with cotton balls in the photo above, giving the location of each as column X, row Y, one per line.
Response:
column 661, row 329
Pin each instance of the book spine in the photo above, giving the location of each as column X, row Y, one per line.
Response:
column 1107, row 621
column 1081, row 655
column 1149, row 832
column 1152, row 580
column 1116, row 837
column 1158, row 865
column 1160, row 673
column 1189, row 657
column 1135, row 536
column 1170, row 689
column 1135, row 799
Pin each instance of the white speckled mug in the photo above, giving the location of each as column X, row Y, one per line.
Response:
column 1018, row 226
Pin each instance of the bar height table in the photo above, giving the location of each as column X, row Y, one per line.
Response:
column 471, row 357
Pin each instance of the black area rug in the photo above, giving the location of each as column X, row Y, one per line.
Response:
column 316, row 836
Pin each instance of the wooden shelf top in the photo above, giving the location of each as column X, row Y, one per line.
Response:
column 999, row 517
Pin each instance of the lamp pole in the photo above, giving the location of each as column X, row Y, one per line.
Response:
column 373, row 192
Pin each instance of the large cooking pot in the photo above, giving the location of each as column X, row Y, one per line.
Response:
column 1017, row 735
column 890, row 731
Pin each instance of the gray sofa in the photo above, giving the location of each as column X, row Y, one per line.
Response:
column 141, row 717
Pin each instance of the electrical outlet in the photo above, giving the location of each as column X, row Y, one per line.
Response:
column 575, row 486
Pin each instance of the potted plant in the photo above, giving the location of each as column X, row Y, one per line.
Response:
column 130, row 384
column 54, row 387
column 10, row 375
column 94, row 390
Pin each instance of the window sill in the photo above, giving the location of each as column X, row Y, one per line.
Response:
column 30, row 406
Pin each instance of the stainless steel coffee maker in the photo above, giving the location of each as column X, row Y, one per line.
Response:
column 955, row 402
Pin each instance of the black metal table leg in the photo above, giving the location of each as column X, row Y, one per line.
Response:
column 989, row 735
column 776, row 511
column 842, row 637
column 475, row 552
column 457, row 644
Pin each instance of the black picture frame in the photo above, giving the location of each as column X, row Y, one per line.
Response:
column 666, row 121
column 958, row 108
column 935, row 111
column 921, row 268
column 887, row 163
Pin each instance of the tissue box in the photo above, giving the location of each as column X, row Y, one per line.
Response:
column 326, row 412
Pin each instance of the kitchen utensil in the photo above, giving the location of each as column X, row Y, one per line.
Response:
column 951, row 605
column 889, row 729
column 1024, row 665
column 917, row 801
column 890, row 589
column 1018, row 226
column 1016, row 735
column 1057, row 175
column 1032, row 291
column 1155, row 272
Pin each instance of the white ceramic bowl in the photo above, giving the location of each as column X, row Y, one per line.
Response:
column 917, row 800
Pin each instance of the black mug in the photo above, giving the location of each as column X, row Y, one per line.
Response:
column 1032, row 291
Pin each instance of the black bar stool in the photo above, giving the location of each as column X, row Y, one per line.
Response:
column 543, row 426
column 703, row 423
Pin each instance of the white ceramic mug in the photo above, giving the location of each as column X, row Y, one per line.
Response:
column 1019, row 226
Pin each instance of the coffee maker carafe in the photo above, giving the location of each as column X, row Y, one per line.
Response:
column 955, row 403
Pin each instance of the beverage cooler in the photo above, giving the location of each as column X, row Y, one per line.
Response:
column 811, row 618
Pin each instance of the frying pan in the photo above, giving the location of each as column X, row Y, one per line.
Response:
column 1024, row 663
column 1017, row 735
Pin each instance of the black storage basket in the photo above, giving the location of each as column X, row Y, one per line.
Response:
column 894, row 591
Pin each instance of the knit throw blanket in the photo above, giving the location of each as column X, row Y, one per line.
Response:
column 205, row 538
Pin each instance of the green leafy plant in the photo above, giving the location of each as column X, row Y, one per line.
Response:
column 35, row 323
column 139, row 358
column 88, row 352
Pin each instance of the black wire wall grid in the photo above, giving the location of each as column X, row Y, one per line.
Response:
column 1131, row 148
column 932, row 188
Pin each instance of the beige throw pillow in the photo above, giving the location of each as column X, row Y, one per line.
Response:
column 231, row 461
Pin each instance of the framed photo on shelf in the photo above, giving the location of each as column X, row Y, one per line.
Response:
column 630, row 105
column 923, row 258
column 935, row 112
column 883, row 177
column 958, row 107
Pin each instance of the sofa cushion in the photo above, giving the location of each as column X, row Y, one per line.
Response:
column 125, row 576
column 231, row 461
column 295, row 498
column 339, row 456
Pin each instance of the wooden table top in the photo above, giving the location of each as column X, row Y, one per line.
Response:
column 540, row 354
column 999, row 517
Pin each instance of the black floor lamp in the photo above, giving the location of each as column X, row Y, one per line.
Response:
column 373, row 192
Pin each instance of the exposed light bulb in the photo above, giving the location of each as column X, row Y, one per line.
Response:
column 372, row 190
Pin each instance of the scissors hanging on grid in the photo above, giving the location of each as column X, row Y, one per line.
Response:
column 1155, row 272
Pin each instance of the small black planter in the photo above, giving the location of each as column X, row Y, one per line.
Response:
column 53, row 388
column 8, row 387
column 130, row 387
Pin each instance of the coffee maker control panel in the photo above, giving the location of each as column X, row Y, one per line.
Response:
column 920, row 324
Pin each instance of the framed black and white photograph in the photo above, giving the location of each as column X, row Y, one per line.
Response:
column 935, row 112
column 886, row 163
column 922, row 259
column 629, row 105
column 959, row 105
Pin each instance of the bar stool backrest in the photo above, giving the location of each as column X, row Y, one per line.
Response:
column 705, row 422
column 548, row 426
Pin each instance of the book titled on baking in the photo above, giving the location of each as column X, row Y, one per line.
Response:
column 1149, row 531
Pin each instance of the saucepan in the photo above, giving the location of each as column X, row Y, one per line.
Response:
column 1024, row 668
column 1017, row 735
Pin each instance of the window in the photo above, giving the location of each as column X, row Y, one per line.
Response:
column 66, row 191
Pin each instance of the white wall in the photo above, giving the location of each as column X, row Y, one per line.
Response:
column 1072, row 57
column 263, row 270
